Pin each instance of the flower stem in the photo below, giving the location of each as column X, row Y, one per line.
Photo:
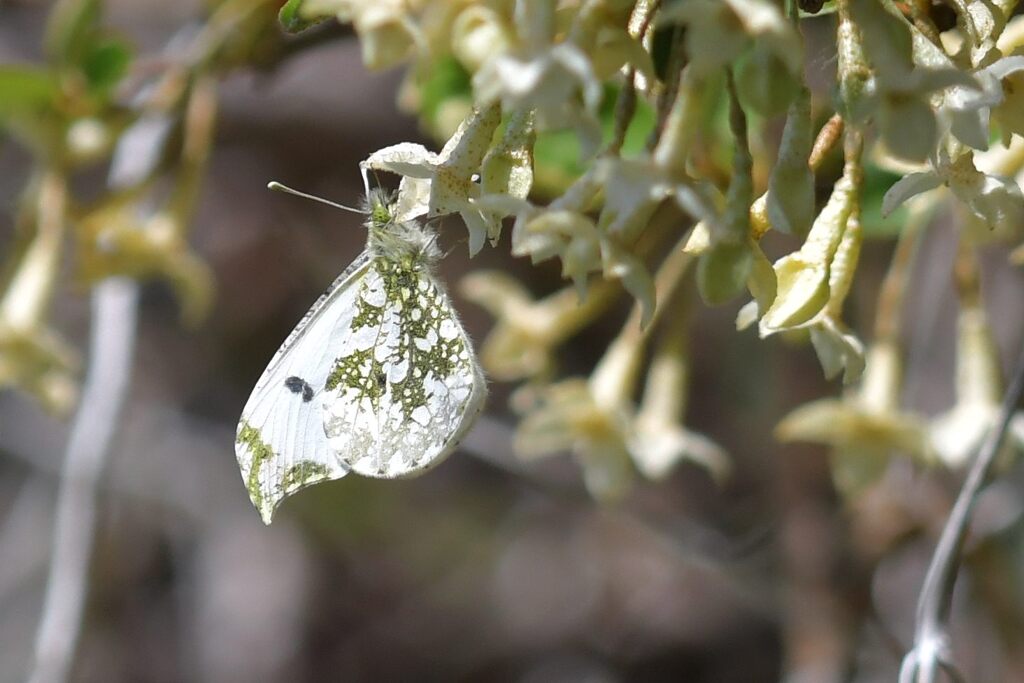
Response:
column 931, row 638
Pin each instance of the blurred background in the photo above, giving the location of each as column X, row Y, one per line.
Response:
column 486, row 568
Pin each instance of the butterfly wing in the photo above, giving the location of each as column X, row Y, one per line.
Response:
column 280, row 443
column 406, row 385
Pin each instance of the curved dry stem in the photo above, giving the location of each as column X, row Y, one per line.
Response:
column 931, row 650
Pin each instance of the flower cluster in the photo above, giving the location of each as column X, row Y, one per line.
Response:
column 636, row 86
column 651, row 148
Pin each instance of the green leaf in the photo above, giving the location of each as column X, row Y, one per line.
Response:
column 106, row 64
column 27, row 107
column 70, row 29
column 446, row 79
column 293, row 20
column 25, row 90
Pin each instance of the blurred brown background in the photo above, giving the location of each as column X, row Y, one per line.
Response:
column 484, row 569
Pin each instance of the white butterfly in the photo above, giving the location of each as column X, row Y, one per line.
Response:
column 379, row 377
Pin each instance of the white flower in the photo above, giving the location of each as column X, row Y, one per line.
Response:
column 527, row 332
column 957, row 434
column 564, row 230
column 866, row 427
column 443, row 183
column 554, row 80
column 991, row 198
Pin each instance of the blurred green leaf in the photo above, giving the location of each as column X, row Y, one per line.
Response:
column 70, row 30
column 446, row 80
column 292, row 19
column 876, row 184
column 106, row 63
column 557, row 153
column 24, row 90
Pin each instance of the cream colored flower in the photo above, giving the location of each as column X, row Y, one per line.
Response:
column 866, row 428
column 555, row 80
column 957, row 434
column 442, row 183
column 387, row 31
column 993, row 199
column 564, row 230
column 566, row 418
column 813, row 282
column 117, row 238
column 720, row 30
column 597, row 422
column 33, row 357
column 526, row 332
column 659, row 440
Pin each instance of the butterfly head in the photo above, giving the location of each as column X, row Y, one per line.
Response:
column 380, row 208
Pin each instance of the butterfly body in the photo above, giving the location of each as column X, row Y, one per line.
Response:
column 379, row 377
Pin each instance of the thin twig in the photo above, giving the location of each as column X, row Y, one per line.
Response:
column 112, row 343
column 113, row 338
column 931, row 650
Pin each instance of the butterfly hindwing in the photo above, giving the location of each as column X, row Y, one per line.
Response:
column 280, row 444
column 406, row 385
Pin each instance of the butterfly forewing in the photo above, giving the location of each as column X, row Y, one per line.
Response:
column 280, row 443
column 406, row 385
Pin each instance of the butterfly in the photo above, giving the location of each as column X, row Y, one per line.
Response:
column 379, row 377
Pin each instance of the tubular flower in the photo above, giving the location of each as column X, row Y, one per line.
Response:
column 526, row 332
column 442, row 183
column 866, row 428
column 993, row 199
column 957, row 433
column 813, row 282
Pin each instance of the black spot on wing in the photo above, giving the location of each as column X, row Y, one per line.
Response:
column 297, row 385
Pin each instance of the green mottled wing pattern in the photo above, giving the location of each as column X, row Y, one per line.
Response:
column 405, row 386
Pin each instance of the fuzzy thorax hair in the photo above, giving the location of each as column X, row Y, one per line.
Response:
column 397, row 240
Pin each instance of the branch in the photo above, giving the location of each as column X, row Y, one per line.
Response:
column 931, row 650
column 112, row 343
column 114, row 303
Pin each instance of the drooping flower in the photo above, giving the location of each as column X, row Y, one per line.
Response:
column 32, row 355
column 597, row 421
column 442, row 183
column 812, row 283
column 555, row 80
column 865, row 428
column 957, row 434
column 527, row 332
column 993, row 199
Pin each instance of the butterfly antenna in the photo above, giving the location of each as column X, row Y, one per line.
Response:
column 274, row 185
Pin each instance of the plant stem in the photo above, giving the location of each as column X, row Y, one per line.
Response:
column 931, row 639
column 113, row 338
